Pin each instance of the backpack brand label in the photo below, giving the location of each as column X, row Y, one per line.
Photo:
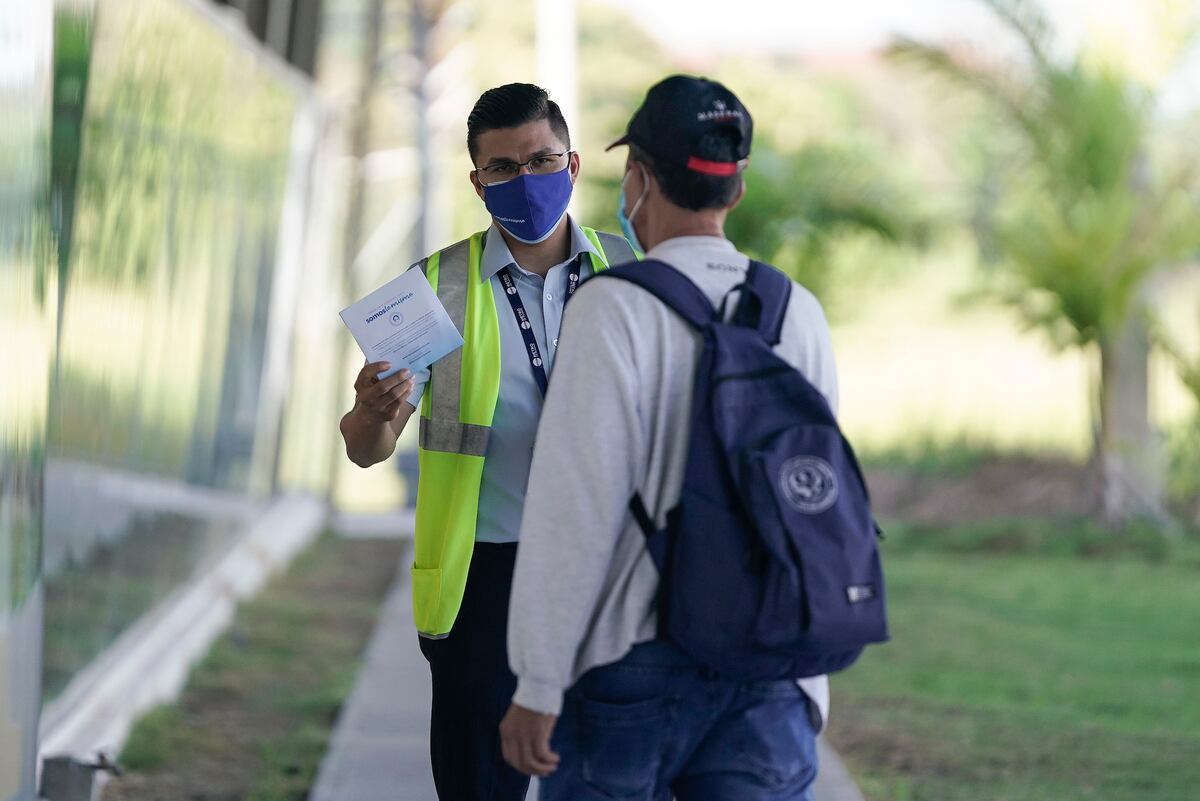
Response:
column 857, row 593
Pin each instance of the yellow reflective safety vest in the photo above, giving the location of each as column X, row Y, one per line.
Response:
column 455, row 424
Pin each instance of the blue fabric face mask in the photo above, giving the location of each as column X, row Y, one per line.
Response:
column 626, row 221
column 530, row 207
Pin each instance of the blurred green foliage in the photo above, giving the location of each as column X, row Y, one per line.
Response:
column 161, row 137
column 1183, row 477
column 799, row 205
column 924, row 455
column 810, row 184
column 170, row 163
column 1080, row 208
column 1183, row 443
column 1047, row 537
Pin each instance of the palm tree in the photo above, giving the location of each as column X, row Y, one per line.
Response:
column 1084, row 219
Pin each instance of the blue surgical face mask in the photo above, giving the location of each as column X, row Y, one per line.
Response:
column 530, row 207
column 626, row 220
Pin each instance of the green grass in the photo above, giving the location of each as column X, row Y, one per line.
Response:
column 1049, row 537
column 150, row 745
column 1028, row 677
column 255, row 717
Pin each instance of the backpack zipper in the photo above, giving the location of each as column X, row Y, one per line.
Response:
column 765, row 373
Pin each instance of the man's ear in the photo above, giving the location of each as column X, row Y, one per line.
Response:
column 475, row 183
column 638, row 172
column 651, row 186
column 573, row 166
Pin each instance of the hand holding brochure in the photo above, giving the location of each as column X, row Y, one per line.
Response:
column 403, row 323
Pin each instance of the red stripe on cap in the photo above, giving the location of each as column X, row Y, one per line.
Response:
column 722, row 168
column 712, row 168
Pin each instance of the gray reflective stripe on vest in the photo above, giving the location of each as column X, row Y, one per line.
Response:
column 617, row 249
column 450, row 436
column 442, row 431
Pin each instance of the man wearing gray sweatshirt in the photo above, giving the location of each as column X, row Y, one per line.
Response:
column 639, row 718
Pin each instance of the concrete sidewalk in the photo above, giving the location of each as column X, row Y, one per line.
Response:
column 379, row 750
column 380, row 747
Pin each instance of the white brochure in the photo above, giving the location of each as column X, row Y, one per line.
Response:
column 403, row 323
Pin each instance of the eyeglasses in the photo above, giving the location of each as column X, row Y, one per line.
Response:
column 503, row 171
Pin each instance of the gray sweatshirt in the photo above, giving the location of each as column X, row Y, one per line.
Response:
column 616, row 422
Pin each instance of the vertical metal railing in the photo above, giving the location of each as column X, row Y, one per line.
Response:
column 26, row 347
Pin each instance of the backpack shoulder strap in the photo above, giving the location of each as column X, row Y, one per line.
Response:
column 773, row 290
column 670, row 286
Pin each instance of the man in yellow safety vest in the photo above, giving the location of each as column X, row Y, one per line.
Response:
column 505, row 289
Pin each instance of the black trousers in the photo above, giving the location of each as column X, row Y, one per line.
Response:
column 473, row 687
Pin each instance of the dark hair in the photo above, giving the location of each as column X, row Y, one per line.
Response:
column 510, row 106
column 692, row 190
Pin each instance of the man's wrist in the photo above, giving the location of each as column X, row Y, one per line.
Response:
column 365, row 417
column 539, row 696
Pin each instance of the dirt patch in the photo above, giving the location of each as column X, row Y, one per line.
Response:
column 254, row 720
column 999, row 488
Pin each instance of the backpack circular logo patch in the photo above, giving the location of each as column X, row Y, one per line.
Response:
column 808, row 484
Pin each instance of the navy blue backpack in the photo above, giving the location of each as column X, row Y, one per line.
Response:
column 769, row 566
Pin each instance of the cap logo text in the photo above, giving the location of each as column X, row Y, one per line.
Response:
column 720, row 113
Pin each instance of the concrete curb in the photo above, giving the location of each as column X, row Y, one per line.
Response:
column 834, row 782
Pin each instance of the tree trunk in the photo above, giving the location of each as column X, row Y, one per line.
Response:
column 1132, row 475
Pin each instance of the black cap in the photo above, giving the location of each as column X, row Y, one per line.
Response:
column 675, row 116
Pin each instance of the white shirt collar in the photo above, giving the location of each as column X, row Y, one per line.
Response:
column 497, row 256
column 675, row 243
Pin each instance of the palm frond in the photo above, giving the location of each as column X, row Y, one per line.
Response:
column 980, row 81
column 1029, row 23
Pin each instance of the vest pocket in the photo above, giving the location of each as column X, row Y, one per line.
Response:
column 426, row 593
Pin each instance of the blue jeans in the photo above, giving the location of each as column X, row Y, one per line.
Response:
column 656, row 725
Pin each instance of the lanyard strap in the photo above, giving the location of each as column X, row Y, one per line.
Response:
column 532, row 350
